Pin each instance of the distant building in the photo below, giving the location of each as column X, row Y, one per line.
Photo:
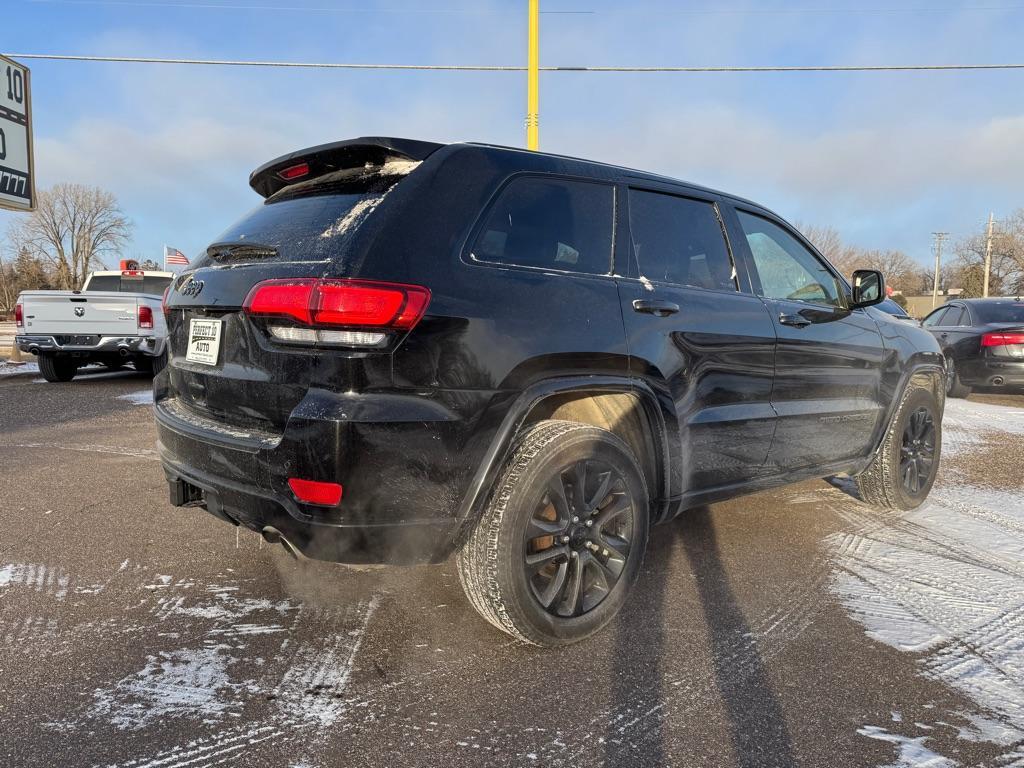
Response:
column 919, row 306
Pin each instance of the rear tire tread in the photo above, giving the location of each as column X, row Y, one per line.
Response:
column 478, row 559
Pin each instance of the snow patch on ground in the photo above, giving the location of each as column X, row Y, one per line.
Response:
column 142, row 397
column 186, row 681
column 7, row 369
column 35, row 576
column 947, row 580
column 913, row 753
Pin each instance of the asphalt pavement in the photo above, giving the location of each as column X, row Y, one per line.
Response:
column 135, row 634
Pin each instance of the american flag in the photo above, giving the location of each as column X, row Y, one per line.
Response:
column 175, row 257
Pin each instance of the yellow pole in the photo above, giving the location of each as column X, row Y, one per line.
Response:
column 533, row 80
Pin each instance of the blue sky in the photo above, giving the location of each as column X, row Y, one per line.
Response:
column 885, row 158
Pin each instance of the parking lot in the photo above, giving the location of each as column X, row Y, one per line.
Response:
column 795, row 627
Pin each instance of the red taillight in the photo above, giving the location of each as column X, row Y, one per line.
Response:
column 19, row 317
column 1002, row 339
column 163, row 301
column 340, row 303
column 145, row 317
column 316, row 492
column 294, row 172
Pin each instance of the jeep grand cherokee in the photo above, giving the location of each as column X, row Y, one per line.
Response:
column 412, row 350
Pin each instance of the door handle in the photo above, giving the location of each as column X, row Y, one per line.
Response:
column 796, row 320
column 656, row 307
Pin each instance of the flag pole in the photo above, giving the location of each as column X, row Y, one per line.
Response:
column 165, row 258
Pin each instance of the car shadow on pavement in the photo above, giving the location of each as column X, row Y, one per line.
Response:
column 753, row 714
column 755, row 717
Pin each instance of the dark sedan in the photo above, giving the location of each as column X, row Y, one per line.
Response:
column 983, row 341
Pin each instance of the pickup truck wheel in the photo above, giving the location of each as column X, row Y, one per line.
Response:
column 954, row 388
column 559, row 546
column 905, row 466
column 56, row 368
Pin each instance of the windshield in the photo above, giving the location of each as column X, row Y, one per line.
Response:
column 118, row 284
column 1000, row 312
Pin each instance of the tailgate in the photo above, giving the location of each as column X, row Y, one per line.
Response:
column 93, row 313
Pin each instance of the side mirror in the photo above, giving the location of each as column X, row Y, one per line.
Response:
column 868, row 288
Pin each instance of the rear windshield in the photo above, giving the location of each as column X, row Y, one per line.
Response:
column 306, row 221
column 119, row 284
column 1000, row 312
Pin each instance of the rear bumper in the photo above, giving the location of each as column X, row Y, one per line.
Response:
column 114, row 345
column 989, row 372
column 404, row 464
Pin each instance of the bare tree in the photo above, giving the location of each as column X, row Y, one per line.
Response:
column 73, row 228
column 901, row 271
column 1007, row 273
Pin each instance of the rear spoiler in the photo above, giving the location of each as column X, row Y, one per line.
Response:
column 268, row 178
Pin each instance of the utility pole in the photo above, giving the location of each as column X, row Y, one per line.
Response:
column 939, row 238
column 988, row 252
column 533, row 80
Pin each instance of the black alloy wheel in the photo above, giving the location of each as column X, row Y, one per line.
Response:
column 917, row 450
column 579, row 538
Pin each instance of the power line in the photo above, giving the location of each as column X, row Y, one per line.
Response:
column 502, row 68
column 293, row 8
column 635, row 10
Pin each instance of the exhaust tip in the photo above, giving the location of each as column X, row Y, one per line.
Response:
column 123, row 351
column 273, row 536
column 997, row 381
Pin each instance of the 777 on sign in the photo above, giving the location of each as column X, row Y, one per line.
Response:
column 17, row 178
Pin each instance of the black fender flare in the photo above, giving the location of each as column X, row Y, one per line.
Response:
column 501, row 445
column 924, row 366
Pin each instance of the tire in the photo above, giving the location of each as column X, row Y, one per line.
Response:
column 884, row 483
column 588, row 569
column 56, row 368
column 954, row 387
column 144, row 365
column 159, row 362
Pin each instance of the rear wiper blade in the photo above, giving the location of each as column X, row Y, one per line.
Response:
column 241, row 250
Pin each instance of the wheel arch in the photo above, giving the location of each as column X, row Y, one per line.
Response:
column 928, row 371
column 624, row 406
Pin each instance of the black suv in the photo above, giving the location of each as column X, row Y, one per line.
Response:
column 411, row 350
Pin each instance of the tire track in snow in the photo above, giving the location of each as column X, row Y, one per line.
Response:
column 947, row 578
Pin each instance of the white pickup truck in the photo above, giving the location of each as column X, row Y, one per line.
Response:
column 115, row 319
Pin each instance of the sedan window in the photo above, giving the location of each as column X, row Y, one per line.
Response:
column 935, row 318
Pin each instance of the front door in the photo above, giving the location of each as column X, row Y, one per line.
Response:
column 828, row 362
column 705, row 346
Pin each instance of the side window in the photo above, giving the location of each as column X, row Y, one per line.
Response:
column 935, row 318
column 955, row 316
column 550, row 224
column 787, row 269
column 679, row 240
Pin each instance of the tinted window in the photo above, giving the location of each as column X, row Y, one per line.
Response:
column 786, row 268
column 935, row 317
column 552, row 224
column 678, row 240
column 308, row 228
column 955, row 316
column 147, row 284
column 1001, row 312
column 892, row 308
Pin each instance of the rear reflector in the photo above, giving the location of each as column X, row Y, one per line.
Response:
column 1002, row 339
column 315, row 492
column 294, row 172
column 19, row 317
column 145, row 316
column 311, row 335
column 336, row 304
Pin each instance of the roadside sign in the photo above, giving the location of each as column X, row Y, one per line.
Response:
column 17, row 171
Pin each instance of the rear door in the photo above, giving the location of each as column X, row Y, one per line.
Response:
column 706, row 346
column 828, row 362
